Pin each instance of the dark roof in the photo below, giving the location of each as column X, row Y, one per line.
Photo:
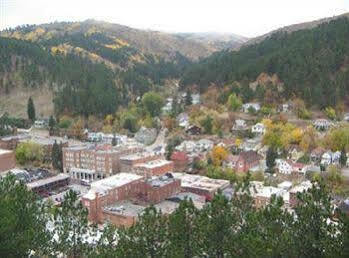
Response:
column 250, row 156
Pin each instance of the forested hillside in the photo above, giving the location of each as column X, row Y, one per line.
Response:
column 91, row 67
column 312, row 64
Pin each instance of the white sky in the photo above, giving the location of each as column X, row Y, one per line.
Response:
column 245, row 17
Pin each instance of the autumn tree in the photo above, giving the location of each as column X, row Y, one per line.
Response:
column 234, row 102
column 218, row 155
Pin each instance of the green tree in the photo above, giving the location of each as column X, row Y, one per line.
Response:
column 188, row 98
column 207, row 124
column 71, row 227
column 114, row 141
column 152, row 103
column 343, row 158
column 234, row 102
column 57, row 156
column 31, row 110
column 270, row 159
column 23, row 220
column 51, row 122
column 29, row 152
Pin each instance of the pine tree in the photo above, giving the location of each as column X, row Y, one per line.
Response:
column 188, row 98
column 114, row 141
column 57, row 157
column 343, row 158
column 31, row 110
column 51, row 122
column 270, row 159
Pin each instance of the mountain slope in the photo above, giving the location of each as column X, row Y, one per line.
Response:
column 312, row 63
column 295, row 27
column 217, row 41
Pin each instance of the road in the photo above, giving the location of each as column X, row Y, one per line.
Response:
column 159, row 141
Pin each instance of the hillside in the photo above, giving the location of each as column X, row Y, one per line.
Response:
column 295, row 27
column 217, row 41
column 311, row 64
column 81, row 64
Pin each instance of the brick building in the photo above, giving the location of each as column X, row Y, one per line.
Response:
column 180, row 161
column 247, row 160
column 122, row 197
column 128, row 162
column 7, row 160
column 93, row 162
column 10, row 142
column 154, row 168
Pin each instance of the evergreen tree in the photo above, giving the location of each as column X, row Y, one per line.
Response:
column 270, row 159
column 57, row 156
column 188, row 98
column 31, row 110
column 71, row 227
column 114, row 141
column 207, row 124
column 343, row 158
column 51, row 122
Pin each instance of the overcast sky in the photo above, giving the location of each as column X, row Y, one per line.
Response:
column 245, row 17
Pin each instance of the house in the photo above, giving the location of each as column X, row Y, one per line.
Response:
column 326, row 158
column 322, row 124
column 186, row 146
column 316, row 154
column 195, row 99
column 299, row 168
column 230, row 161
column 247, row 160
column 346, row 117
column 251, row 145
column 247, row 106
column 239, row 125
column 204, row 145
column 40, row 124
column 193, row 130
column 285, row 107
column 295, row 153
column 183, row 120
column 283, row 167
column 302, row 187
column 258, row 129
column 180, row 160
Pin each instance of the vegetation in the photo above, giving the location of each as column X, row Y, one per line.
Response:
column 152, row 103
column 29, row 152
column 314, row 74
column 222, row 228
column 31, row 110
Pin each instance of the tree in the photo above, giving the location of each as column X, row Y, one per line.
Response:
column 330, row 113
column 343, row 158
column 234, row 102
column 78, row 129
column 23, row 220
column 188, row 98
column 152, row 103
column 114, row 141
column 51, row 122
column 57, row 157
column 218, row 154
column 71, row 227
column 31, row 110
column 270, row 159
column 207, row 124
column 29, row 152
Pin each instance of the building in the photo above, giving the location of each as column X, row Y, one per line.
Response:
column 120, row 199
column 239, row 125
column 156, row 167
column 248, row 106
column 45, row 185
column 262, row 195
column 10, row 142
column 283, row 167
column 201, row 185
column 258, row 129
column 92, row 162
column 128, row 162
column 180, row 161
column 7, row 160
column 302, row 187
column 183, row 120
column 322, row 124
column 247, row 160
column 294, row 153
column 193, row 130
column 316, row 154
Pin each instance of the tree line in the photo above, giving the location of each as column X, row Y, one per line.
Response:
column 223, row 228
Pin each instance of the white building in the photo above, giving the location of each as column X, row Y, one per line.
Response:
column 258, row 128
column 283, row 167
column 247, row 106
column 195, row 99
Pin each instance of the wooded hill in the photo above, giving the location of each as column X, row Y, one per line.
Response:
column 311, row 63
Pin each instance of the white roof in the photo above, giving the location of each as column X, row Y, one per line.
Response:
column 200, row 182
column 2, row 151
column 301, row 187
column 46, row 181
column 154, row 163
column 285, row 185
column 268, row 191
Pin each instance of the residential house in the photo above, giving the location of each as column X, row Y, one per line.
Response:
column 183, row 120
column 258, row 129
column 186, row 146
column 251, row 145
column 322, row 124
column 204, row 145
column 240, row 125
column 283, row 167
column 247, row 160
column 299, row 168
column 231, row 161
column 295, row 153
column 330, row 157
column 316, row 154
column 193, row 130
column 247, row 106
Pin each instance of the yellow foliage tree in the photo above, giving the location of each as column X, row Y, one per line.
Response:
column 218, row 155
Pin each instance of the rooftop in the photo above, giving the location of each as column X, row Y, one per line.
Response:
column 138, row 155
column 268, row 191
column 201, row 182
column 125, row 208
column 46, row 181
column 160, row 180
column 154, row 163
column 304, row 186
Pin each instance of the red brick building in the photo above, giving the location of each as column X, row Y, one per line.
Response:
column 128, row 162
column 154, row 168
column 108, row 199
column 7, row 160
column 247, row 160
column 180, row 161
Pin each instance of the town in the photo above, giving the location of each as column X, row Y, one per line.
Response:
column 117, row 176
